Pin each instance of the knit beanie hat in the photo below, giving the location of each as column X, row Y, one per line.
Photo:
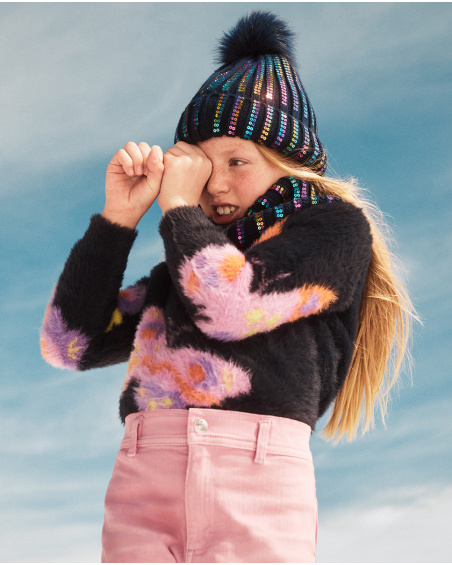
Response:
column 256, row 94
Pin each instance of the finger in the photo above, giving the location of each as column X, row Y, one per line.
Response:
column 176, row 151
column 155, row 157
column 137, row 158
column 154, row 164
column 190, row 148
column 183, row 148
column 145, row 150
column 126, row 162
column 188, row 151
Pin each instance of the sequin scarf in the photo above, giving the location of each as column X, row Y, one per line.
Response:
column 287, row 196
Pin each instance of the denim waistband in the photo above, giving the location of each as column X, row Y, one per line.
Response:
column 242, row 430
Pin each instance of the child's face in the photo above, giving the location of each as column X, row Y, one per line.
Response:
column 240, row 174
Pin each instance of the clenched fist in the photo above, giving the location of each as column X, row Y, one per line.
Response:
column 133, row 181
column 186, row 172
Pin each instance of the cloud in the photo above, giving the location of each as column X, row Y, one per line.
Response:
column 79, row 77
column 59, row 438
column 72, row 89
column 417, row 531
column 36, row 540
column 83, row 78
column 55, row 412
column 370, row 65
column 51, row 520
column 424, row 251
column 380, row 468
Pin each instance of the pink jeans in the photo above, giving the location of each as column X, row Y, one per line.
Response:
column 211, row 486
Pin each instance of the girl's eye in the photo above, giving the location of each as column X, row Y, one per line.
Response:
column 235, row 162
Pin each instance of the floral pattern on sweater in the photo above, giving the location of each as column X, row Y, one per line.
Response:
column 265, row 329
column 218, row 279
column 176, row 378
column 60, row 346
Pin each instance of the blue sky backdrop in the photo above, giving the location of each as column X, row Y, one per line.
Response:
column 80, row 80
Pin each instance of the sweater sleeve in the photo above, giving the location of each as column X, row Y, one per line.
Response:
column 305, row 264
column 90, row 322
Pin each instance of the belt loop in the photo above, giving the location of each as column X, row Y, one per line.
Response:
column 134, row 434
column 262, row 441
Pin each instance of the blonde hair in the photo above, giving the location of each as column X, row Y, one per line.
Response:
column 385, row 314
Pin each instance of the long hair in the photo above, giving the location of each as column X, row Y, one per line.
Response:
column 385, row 314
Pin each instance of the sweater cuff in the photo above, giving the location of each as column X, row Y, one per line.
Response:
column 108, row 234
column 185, row 230
column 179, row 218
column 93, row 272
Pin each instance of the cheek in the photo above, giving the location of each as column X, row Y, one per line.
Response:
column 252, row 189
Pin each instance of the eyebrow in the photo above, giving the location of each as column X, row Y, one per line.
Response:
column 236, row 151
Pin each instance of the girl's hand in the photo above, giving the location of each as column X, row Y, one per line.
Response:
column 187, row 170
column 132, row 184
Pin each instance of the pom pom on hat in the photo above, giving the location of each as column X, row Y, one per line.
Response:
column 259, row 33
column 256, row 94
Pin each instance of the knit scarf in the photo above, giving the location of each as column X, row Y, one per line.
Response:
column 287, row 196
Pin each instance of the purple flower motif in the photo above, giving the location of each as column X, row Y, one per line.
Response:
column 61, row 347
column 151, row 392
column 311, row 306
column 211, row 380
column 211, row 278
column 200, row 261
column 153, row 320
column 131, row 299
column 157, row 325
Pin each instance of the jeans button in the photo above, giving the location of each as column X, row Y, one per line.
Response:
column 201, row 425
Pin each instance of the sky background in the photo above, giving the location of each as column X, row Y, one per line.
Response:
column 78, row 81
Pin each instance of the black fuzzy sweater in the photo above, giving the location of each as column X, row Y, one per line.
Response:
column 268, row 330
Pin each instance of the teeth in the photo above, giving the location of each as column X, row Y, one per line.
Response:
column 226, row 210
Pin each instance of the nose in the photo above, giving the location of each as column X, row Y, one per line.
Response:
column 217, row 183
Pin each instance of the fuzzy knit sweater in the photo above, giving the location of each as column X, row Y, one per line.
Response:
column 268, row 330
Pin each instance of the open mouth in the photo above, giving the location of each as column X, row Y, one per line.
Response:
column 225, row 210
column 225, row 214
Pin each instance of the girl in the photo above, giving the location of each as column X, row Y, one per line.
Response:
column 276, row 298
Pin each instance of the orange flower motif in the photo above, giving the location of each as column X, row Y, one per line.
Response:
column 134, row 362
column 270, row 232
column 231, row 266
column 193, row 396
column 196, row 373
column 313, row 299
column 148, row 334
column 44, row 350
column 193, row 283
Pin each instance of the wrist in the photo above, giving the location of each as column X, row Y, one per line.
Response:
column 120, row 219
column 175, row 202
